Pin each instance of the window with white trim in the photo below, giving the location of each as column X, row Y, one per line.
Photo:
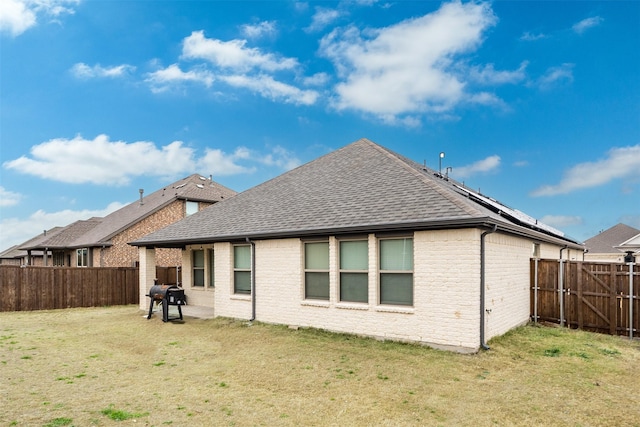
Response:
column 316, row 270
column 396, row 271
column 354, row 270
column 212, row 281
column 82, row 257
column 191, row 207
column 242, row 269
column 198, row 267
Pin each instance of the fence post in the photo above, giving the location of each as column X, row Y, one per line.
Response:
column 561, row 290
column 631, row 300
column 535, row 291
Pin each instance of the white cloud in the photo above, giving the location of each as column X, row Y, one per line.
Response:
column 621, row 163
column 488, row 75
column 17, row 16
column 560, row 221
column 101, row 161
column 18, row 230
column 269, row 88
column 104, row 162
column 587, row 23
column 82, row 70
column 281, row 158
column 486, row 98
column 167, row 78
column 556, row 75
column 220, row 163
column 318, row 79
column 8, row 198
column 486, row 165
column 261, row 29
column 322, row 18
column 527, row 36
column 406, row 68
column 233, row 54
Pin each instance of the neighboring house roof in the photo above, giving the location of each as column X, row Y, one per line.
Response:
column 65, row 236
column 606, row 242
column 631, row 244
column 17, row 251
column 362, row 187
column 192, row 188
column 12, row 253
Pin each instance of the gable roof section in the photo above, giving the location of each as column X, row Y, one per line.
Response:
column 607, row 241
column 35, row 241
column 630, row 244
column 192, row 188
column 362, row 187
column 66, row 235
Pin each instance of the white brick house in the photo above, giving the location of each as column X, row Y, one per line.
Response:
column 363, row 241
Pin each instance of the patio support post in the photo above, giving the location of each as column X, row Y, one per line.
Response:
column 147, row 273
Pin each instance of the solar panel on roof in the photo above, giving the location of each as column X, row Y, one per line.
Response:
column 513, row 213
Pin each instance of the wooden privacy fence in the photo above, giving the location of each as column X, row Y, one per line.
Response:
column 594, row 296
column 168, row 275
column 44, row 288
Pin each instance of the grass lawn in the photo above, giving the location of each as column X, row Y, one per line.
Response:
column 112, row 366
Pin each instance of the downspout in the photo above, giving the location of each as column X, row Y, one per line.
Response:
column 561, row 286
column 253, row 279
column 483, row 344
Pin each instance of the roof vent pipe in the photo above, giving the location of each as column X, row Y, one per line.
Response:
column 141, row 193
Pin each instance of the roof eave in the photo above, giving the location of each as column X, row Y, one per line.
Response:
column 481, row 222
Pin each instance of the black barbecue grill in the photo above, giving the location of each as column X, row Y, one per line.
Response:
column 166, row 295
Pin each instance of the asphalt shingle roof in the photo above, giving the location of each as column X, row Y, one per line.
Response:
column 193, row 188
column 358, row 188
column 606, row 241
column 63, row 237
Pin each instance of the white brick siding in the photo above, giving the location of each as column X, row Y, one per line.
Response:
column 446, row 309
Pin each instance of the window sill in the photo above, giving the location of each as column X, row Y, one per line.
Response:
column 240, row 297
column 353, row 306
column 316, row 303
column 395, row 309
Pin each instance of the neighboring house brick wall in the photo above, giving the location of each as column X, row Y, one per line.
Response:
column 121, row 254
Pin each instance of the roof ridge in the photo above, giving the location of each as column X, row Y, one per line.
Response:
column 439, row 187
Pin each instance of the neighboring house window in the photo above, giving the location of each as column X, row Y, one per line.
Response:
column 82, row 257
column 211, row 269
column 58, row 259
column 198, row 267
column 396, row 271
column 242, row 269
column 316, row 270
column 354, row 268
column 191, row 207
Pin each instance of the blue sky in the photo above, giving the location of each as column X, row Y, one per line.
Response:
column 536, row 104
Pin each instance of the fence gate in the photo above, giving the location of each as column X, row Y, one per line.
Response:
column 599, row 297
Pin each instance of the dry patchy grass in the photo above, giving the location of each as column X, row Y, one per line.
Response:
column 111, row 366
